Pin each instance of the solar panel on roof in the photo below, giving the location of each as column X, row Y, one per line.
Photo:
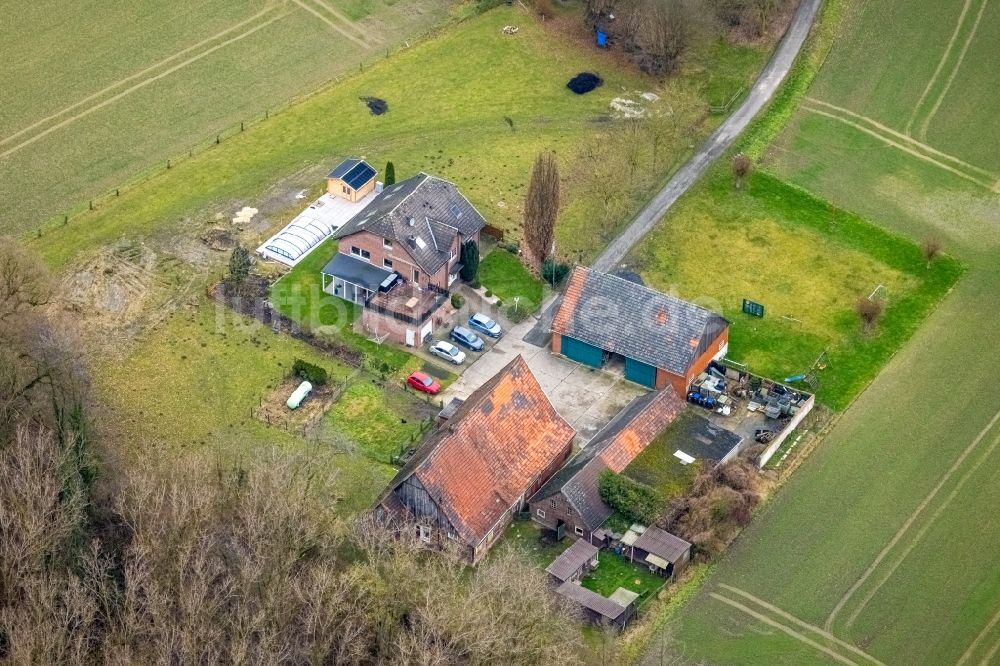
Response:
column 359, row 175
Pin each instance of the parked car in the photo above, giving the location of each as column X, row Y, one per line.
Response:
column 448, row 352
column 421, row 381
column 467, row 338
column 485, row 325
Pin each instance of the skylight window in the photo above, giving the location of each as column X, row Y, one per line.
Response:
column 420, row 243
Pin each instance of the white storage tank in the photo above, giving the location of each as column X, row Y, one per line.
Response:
column 298, row 395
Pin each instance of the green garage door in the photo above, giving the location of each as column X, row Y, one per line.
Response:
column 640, row 373
column 582, row 352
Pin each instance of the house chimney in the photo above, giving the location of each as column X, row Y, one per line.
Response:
column 412, row 240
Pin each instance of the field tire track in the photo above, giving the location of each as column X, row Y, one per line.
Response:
column 802, row 623
column 828, row 625
column 134, row 76
column 920, row 534
column 982, row 634
column 988, row 659
column 784, row 628
column 991, row 186
column 141, row 84
column 940, row 66
column 314, row 12
column 343, row 19
column 904, row 137
column 954, row 73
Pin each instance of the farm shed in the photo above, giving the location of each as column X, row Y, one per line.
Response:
column 664, row 553
column 570, row 503
column 574, row 562
column 472, row 474
column 660, row 339
column 598, row 609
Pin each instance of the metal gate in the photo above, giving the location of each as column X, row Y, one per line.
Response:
column 640, row 373
column 582, row 352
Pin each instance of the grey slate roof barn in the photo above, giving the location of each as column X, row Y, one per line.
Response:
column 662, row 338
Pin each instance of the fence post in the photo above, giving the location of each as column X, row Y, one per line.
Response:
column 241, row 125
column 168, row 164
column 216, row 139
column 91, row 204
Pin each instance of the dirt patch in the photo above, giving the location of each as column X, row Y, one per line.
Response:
column 273, row 409
column 584, row 82
column 218, row 239
column 375, row 105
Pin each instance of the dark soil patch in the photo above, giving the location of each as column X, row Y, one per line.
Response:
column 219, row 239
column 584, row 82
column 375, row 105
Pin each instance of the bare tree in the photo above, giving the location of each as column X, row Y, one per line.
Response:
column 741, row 166
column 541, row 208
column 931, row 248
column 24, row 284
column 870, row 311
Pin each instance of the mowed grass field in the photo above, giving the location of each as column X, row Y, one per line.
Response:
column 881, row 548
column 95, row 94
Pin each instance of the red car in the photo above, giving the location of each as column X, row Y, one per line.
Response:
column 424, row 382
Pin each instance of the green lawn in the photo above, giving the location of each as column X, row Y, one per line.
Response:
column 808, row 263
column 614, row 571
column 190, row 387
column 381, row 418
column 503, row 273
column 109, row 92
column 534, row 541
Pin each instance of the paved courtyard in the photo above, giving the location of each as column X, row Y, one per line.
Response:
column 585, row 397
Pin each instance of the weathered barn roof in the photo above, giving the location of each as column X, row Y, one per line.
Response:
column 571, row 560
column 613, row 448
column 635, row 321
column 496, row 445
column 423, row 214
column 354, row 173
column 603, row 606
column 662, row 543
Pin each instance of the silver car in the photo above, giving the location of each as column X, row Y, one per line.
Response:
column 448, row 352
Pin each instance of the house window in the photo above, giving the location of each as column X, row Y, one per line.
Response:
column 386, row 243
column 344, row 188
column 451, row 535
column 539, row 513
column 416, row 275
column 387, row 263
column 578, row 530
column 424, row 532
column 364, row 254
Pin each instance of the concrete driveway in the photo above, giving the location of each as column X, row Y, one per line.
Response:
column 585, row 397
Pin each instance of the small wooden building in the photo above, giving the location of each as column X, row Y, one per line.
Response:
column 601, row 610
column 664, row 554
column 574, row 562
column 352, row 180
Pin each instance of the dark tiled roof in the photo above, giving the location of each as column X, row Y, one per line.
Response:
column 614, row 447
column 612, row 610
column 662, row 543
column 493, row 448
column 356, row 271
column 422, row 213
column 571, row 560
column 354, row 173
column 635, row 321
column 702, row 439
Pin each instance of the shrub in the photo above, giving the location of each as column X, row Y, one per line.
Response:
column 313, row 374
column 870, row 311
column 489, row 293
column 239, row 264
column 931, row 249
column 475, row 284
column 390, row 174
column 741, row 166
column 517, row 313
column 513, row 248
column 470, row 261
column 636, row 501
column 554, row 272
column 457, row 301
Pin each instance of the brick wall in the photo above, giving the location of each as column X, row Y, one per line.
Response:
column 401, row 260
